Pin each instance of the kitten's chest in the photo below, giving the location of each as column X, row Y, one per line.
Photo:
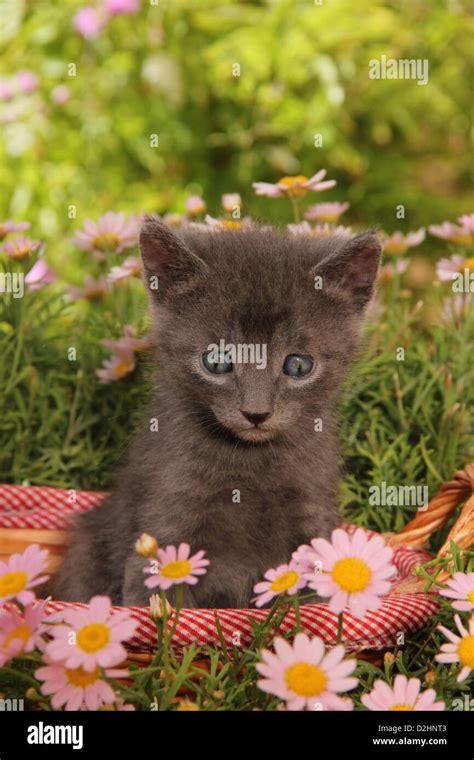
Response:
column 260, row 524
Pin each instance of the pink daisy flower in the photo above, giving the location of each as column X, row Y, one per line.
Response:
column 219, row 225
column 318, row 230
column 9, row 226
column 294, row 187
column 397, row 243
column 21, row 247
column 121, row 7
column 305, row 675
column 461, row 589
column 128, row 342
column 354, row 571
column 39, row 275
column 118, row 366
column 122, row 362
column 405, row 695
column 447, row 269
column 91, row 637
column 77, row 688
column 175, row 565
column 459, row 234
column 195, row 205
column 285, row 579
column 21, row 573
column 230, row 201
column 60, row 94
column 92, row 289
column 20, row 632
column 460, row 649
column 89, row 22
column 326, row 212
column 131, row 267
column 113, row 232
column 467, row 221
column 27, row 81
column 173, row 219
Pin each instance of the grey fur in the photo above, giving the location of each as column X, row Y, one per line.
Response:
column 180, row 483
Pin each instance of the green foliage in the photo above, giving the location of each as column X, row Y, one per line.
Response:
column 406, row 421
column 169, row 72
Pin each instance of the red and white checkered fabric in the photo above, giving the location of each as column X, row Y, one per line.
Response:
column 399, row 615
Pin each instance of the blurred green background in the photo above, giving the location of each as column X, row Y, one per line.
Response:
column 168, row 70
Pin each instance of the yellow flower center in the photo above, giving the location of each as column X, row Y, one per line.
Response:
column 461, row 238
column 293, row 186
column 189, row 706
column 122, row 368
column 305, row 679
column 402, row 707
column 93, row 637
column 231, row 224
column 470, row 596
column 329, row 216
column 178, row 569
column 351, row 574
column 197, row 209
column 396, row 247
column 22, row 632
column 105, row 240
column 79, row 677
column 13, row 583
column 285, row 581
column 386, row 275
column 467, row 264
column 466, row 651
column 20, row 253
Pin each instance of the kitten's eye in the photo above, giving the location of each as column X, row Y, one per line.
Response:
column 217, row 364
column 298, row 365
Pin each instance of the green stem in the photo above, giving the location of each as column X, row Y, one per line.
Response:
column 296, row 211
column 166, row 656
column 179, row 604
column 297, row 613
column 339, row 627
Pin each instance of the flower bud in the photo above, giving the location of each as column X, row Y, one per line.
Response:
column 156, row 608
column 146, row 546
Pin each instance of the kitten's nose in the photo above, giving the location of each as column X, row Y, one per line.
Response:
column 256, row 417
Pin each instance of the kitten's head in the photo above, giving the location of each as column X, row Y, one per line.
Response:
column 256, row 327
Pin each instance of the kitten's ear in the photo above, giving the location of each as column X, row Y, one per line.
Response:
column 352, row 269
column 168, row 263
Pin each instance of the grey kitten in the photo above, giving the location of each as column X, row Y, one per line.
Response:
column 245, row 461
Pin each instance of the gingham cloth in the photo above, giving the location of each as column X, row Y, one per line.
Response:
column 400, row 614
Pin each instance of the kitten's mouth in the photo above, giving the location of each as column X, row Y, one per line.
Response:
column 256, row 433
